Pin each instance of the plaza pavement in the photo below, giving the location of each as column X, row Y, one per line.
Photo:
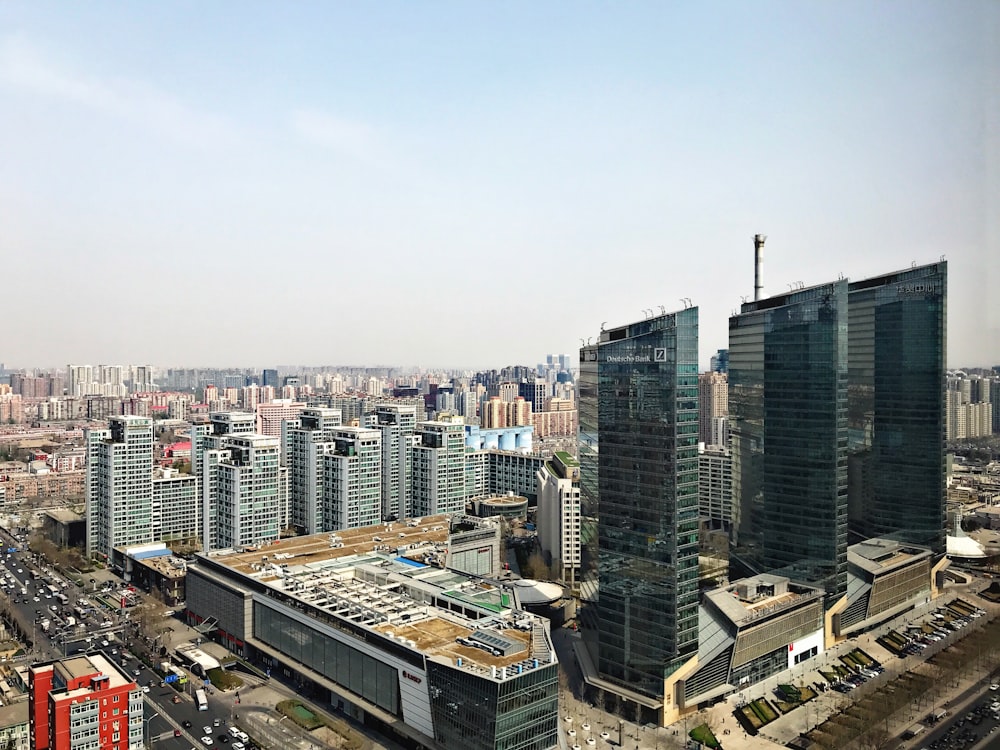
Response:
column 575, row 712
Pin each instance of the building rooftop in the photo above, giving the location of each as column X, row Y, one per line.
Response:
column 878, row 556
column 77, row 667
column 63, row 516
column 318, row 548
column 382, row 579
column 748, row 599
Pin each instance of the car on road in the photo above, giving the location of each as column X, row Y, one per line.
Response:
column 224, row 739
column 207, row 741
column 206, row 729
column 177, row 733
column 186, row 724
column 145, row 688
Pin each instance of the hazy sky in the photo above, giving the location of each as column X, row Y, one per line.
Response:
column 476, row 184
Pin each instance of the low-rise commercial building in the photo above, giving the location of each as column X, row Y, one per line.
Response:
column 366, row 620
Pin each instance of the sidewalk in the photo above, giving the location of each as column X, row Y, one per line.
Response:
column 786, row 727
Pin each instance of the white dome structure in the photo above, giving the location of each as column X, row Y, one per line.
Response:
column 537, row 593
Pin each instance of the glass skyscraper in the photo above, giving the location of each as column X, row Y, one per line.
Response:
column 896, row 364
column 788, row 422
column 647, row 420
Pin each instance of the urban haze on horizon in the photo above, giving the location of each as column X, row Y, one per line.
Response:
column 459, row 186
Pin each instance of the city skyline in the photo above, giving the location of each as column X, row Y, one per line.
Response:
column 437, row 185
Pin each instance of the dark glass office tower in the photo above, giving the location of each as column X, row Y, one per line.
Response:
column 788, row 422
column 648, row 484
column 896, row 415
column 587, row 442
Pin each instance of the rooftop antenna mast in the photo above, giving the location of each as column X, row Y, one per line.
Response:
column 758, row 262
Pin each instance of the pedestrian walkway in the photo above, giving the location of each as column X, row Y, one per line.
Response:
column 787, row 727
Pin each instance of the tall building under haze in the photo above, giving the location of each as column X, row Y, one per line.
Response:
column 788, row 426
column 119, row 485
column 646, row 615
column 836, row 406
column 896, row 405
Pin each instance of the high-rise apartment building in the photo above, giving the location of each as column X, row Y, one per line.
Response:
column 438, row 479
column 302, row 454
column 84, row 703
column 270, row 415
column 352, row 479
column 896, row 410
column 119, row 484
column 250, row 491
column 208, row 443
column 559, row 514
column 713, row 403
column 647, row 422
column 535, row 392
column 397, row 423
column 788, row 422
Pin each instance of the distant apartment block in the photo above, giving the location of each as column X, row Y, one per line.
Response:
column 119, row 484
column 558, row 514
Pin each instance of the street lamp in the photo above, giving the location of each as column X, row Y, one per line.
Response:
column 145, row 729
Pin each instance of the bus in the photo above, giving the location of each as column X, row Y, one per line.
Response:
column 201, row 699
column 63, row 599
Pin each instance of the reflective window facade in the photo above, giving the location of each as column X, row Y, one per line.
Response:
column 897, row 350
column 586, row 387
column 376, row 682
column 788, row 420
column 479, row 713
column 648, row 485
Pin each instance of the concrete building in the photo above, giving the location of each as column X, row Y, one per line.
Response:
column 715, row 486
column 397, row 423
column 177, row 508
column 713, row 403
column 513, row 471
column 352, row 479
column 270, row 415
column 438, row 479
column 301, row 454
column 750, row 630
column 558, row 516
column 427, row 656
column 119, row 485
column 885, row 578
column 82, row 703
column 251, row 491
column 153, row 567
column 508, row 507
column 64, row 528
column 15, row 732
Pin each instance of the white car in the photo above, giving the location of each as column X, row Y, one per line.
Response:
column 206, row 729
column 145, row 688
column 207, row 741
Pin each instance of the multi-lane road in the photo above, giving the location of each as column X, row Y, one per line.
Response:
column 30, row 595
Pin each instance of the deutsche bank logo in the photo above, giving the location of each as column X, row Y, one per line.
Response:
column 659, row 354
